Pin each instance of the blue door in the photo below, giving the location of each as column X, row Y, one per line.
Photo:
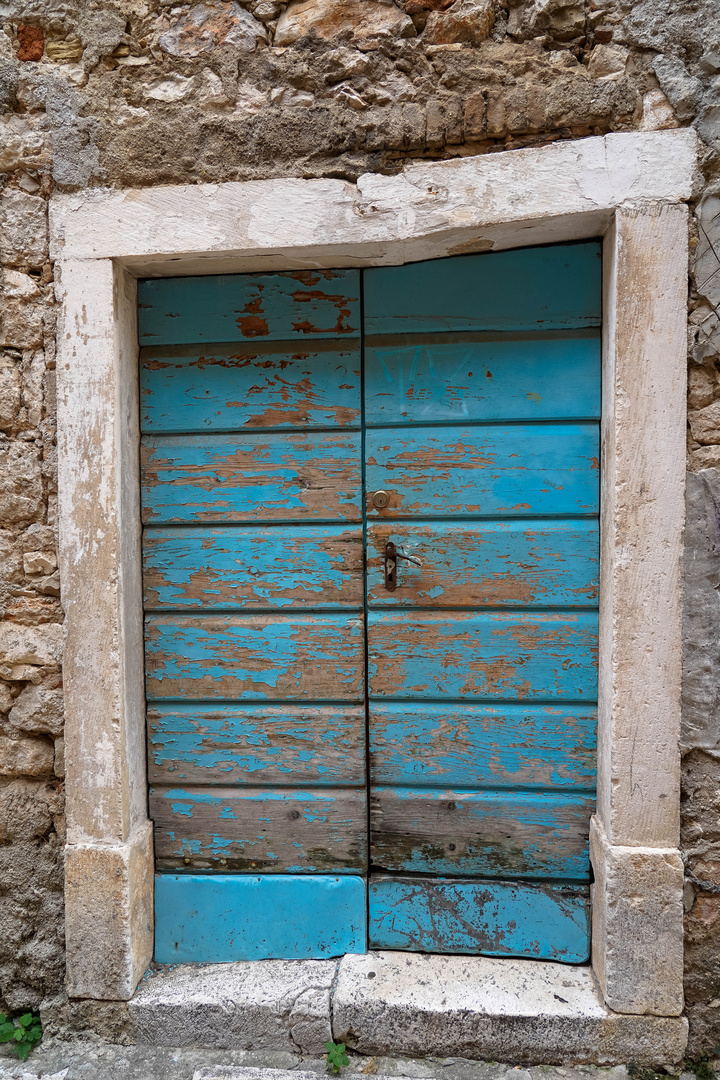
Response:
column 370, row 557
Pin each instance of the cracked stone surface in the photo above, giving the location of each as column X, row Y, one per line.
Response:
column 247, row 1006
column 92, row 1061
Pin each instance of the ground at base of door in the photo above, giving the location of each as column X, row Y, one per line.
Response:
column 57, row 1060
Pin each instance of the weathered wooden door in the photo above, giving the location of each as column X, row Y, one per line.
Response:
column 290, row 435
column 482, row 400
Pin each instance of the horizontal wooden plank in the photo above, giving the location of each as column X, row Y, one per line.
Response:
column 218, row 918
column 308, row 658
column 525, row 656
column 275, row 567
column 229, row 387
column 480, row 833
column 236, row 307
column 282, row 830
column 251, row 477
column 521, row 470
column 490, row 918
column 516, row 563
column 433, row 380
column 526, row 289
column 466, row 745
column 256, row 744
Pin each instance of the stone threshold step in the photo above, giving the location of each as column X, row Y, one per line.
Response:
column 402, row 1004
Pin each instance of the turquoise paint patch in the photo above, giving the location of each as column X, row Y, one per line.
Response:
column 492, row 918
column 539, row 288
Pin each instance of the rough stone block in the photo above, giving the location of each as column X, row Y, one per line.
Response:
column 207, row 26
column 21, row 324
column 31, row 644
column 23, row 229
column 637, row 926
column 328, row 18
column 25, row 757
column 705, row 423
column 39, row 562
column 267, row 1004
column 10, row 392
column 38, row 709
column 607, row 61
column 21, row 489
column 109, row 916
column 491, row 1009
column 28, row 809
column 466, row 21
column 701, row 615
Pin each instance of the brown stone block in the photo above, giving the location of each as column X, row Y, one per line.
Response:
column 475, row 112
column 466, row 21
column 31, row 41
column 496, row 122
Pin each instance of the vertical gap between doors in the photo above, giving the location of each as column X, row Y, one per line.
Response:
column 364, row 497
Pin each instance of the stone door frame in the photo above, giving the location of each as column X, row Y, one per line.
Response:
column 628, row 188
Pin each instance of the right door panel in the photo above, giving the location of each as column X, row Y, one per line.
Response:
column 482, row 434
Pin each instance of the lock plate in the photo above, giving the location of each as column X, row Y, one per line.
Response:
column 390, row 567
column 380, row 500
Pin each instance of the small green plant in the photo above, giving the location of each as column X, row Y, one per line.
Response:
column 644, row 1072
column 23, row 1033
column 701, row 1066
column 336, row 1056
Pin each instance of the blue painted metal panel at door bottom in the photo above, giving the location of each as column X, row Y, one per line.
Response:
column 211, row 920
column 493, row 918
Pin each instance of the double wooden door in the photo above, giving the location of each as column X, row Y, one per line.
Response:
column 370, row 561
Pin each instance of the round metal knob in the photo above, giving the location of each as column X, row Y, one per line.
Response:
column 380, row 500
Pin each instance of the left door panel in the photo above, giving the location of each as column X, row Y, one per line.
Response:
column 252, row 554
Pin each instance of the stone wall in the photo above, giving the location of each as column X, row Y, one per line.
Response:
column 139, row 92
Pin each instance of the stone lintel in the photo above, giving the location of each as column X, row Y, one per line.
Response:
column 637, row 925
column 109, row 915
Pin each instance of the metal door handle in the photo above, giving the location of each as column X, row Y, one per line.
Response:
column 391, row 557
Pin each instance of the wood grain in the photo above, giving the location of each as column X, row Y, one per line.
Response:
column 227, row 387
column 307, row 658
column 235, row 307
column 278, row 830
column 487, row 564
column 235, row 568
column 430, row 379
column 472, row 746
column 524, row 656
column 480, row 833
column 539, row 288
column 251, row 477
column 257, row 745
column 519, row 470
